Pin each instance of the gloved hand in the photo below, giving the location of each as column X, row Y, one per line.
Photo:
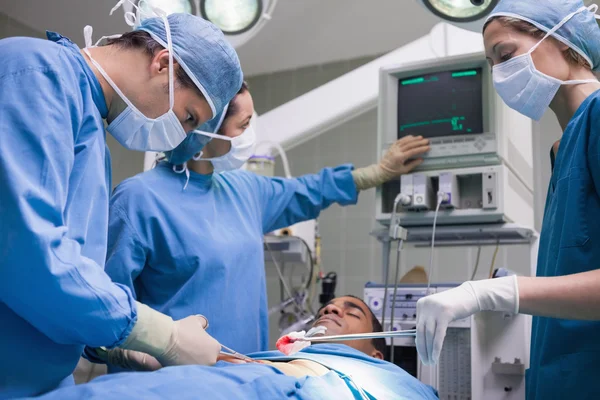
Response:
column 393, row 164
column 436, row 311
column 172, row 342
column 133, row 360
column 191, row 344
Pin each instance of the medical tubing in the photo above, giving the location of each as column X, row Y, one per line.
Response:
column 385, row 290
column 387, row 269
column 291, row 275
column 394, row 298
column 310, row 257
column 282, row 154
column 281, row 277
column 440, row 197
column 494, row 259
column 476, row 263
column 317, row 270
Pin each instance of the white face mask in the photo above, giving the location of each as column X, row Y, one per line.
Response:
column 525, row 89
column 242, row 148
column 133, row 129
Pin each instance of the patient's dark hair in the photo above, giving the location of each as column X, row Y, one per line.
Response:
column 378, row 343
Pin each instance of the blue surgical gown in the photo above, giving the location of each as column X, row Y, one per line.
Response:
column 54, row 191
column 350, row 369
column 200, row 250
column 565, row 354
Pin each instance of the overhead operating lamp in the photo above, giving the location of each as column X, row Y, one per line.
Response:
column 240, row 20
column 168, row 6
column 466, row 14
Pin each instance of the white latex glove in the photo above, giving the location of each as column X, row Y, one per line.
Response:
column 191, row 344
column 172, row 342
column 395, row 162
column 436, row 311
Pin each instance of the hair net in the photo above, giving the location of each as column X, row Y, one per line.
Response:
column 581, row 32
column 202, row 51
column 194, row 142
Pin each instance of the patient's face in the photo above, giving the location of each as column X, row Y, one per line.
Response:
column 347, row 315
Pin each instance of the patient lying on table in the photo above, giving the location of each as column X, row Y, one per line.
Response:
column 353, row 370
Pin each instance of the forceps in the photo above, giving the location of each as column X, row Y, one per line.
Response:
column 373, row 335
column 226, row 351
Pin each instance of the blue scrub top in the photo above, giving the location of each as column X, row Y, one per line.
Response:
column 54, row 190
column 565, row 354
column 200, row 250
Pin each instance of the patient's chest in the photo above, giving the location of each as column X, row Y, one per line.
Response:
column 298, row 368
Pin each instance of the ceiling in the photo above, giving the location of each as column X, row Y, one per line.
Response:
column 301, row 32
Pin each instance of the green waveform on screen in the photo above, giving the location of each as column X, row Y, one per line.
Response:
column 464, row 73
column 454, row 121
column 416, row 81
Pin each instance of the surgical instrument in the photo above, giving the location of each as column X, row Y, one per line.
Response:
column 235, row 354
column 359, row 336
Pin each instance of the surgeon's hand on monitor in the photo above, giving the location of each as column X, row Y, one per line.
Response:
column 171, row 342
column 436, row 311
column 398, row 160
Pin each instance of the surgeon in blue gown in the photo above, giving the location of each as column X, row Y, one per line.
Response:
column 55, row 182
column 542, row 55
column 187, row 236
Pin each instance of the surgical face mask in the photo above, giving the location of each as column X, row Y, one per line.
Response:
column 525, row 89
column 133, row 129
column 242, row 148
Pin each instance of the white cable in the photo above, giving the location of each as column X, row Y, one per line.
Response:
column 284, row 159
column 394, row 298
column 440, row 196
column 281, row 277
column 397, row 200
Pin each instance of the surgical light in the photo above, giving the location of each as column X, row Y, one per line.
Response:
column 467, row 14
column 240, row 20
column 168, row 6
column 232, row 16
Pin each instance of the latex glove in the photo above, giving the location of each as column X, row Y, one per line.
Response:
column 394, row 163
column 133, row 360
column 191, row 344
column 436, row 311
column 172, row 342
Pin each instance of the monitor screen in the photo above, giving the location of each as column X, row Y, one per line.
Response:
column 441, row 104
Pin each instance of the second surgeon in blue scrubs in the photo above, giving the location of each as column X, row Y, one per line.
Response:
column 191, row 241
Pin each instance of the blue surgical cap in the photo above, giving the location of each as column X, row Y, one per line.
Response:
column 581, row 32
column 202, row 51
column 194, row 142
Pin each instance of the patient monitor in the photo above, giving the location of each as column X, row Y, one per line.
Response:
column 481, row 150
